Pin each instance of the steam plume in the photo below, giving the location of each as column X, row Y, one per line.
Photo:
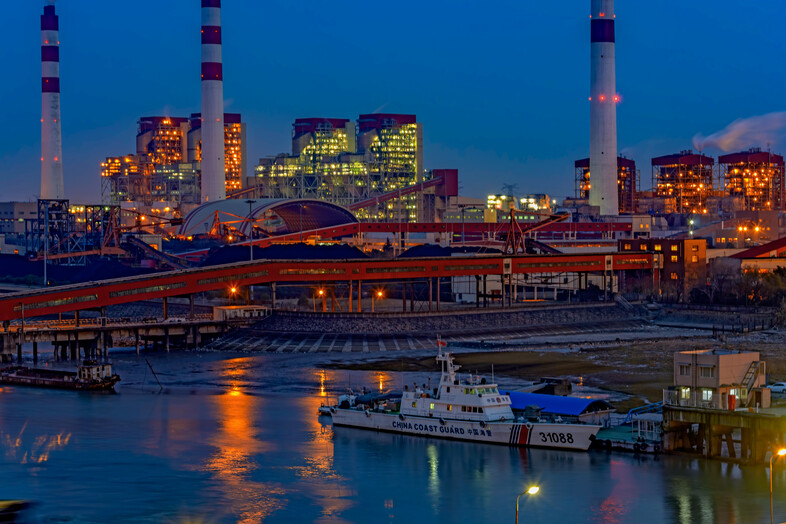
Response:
column 744, row 133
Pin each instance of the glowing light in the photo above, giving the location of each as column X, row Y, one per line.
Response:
column 233, row 290
column 782, row 452
column 534, row 489
column 602, row 98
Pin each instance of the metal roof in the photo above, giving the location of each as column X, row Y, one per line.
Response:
column 296, row 214
column 571, row 406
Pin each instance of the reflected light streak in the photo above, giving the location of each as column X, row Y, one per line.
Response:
column 433, row 477
column 329, row 489
column 40, row 449
column 237, row 444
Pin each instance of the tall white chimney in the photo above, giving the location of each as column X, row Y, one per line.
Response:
column 603, row 109
column 212, row 162
column 51, row 139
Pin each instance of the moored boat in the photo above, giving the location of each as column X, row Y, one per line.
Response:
column 462, row 409
column 89, row 375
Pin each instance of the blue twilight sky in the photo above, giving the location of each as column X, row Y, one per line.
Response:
column 501, row 87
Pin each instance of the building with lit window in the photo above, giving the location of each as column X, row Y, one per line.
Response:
column 684, row 262
column 123, row 179
column 339, row 161
column 755, row 177
column 684, row 179
column 166, row 145
column 626, row 182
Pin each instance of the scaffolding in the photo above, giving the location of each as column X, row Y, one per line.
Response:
column 756, row 177
column 685, row 177
column 53, row 232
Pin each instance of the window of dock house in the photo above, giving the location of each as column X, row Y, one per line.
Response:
column 684, row 393
column 706, row 395
column 684, row 370
column 707, row 371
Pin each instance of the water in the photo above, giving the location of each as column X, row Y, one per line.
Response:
column 236, row 439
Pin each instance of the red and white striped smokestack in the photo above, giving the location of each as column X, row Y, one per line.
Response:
column 212, row 166
column 603, row 109
column 51, row 140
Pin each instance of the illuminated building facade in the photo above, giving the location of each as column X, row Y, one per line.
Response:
column 756, row 177
column 122, row 177
column 168, row 151
column 626, row 182
column 334, row 159
column 685, row 177
column 176, row 183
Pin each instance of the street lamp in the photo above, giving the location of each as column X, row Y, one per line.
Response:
column 374, row 297
column 781, row 452
column 533, row 490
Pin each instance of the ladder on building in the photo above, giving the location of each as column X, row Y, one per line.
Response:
column 750, row 377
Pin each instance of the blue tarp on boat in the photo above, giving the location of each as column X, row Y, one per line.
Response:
column 571, row 406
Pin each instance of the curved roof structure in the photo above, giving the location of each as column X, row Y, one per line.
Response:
column 285, row 215
column 571, row 406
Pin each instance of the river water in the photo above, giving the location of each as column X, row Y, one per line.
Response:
column 235, row 438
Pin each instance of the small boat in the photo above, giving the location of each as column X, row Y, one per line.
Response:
column 89, row 376
column 467, row 409
column 10, row 509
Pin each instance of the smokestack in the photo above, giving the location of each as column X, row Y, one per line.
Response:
column 603, row 110
column 212, row 162
column 51, row 140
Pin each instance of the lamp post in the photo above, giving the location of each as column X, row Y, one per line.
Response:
column 533, row 490
column 781, row 452
column 376, row 296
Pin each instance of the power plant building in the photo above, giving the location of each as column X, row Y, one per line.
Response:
column 168, row 155
column 755, row 177
column 684, row 180
column 336, row 160
column 626, row 183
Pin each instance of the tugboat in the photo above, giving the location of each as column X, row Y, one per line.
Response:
column 89, row 376
column 468, row 409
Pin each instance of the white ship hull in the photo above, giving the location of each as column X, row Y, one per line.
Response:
column 558, row 436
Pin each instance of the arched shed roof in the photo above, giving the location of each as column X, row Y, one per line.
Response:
column 555, row 404
column 297, row 214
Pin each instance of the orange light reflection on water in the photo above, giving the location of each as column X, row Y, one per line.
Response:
column 38, row 452
column 232, row 462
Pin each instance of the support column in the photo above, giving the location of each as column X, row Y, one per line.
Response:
column 351, row 299
column 191, row 306
column 76, row 318
column 430, row 293
column 165, row 304
column 136, row 339
column 502, row 291
column 439, row 286
column 411, row 297
column 404, row 296
column 166, row 339
column 485, row 292
column 35, row 351
column 360, row 293
column 273, row 294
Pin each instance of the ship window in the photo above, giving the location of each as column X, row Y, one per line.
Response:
column 448, row 389
column 415, row 404
column 450, row 408
column 463, row 409
column 466, row 391
column 480, row 410
column 431, row 406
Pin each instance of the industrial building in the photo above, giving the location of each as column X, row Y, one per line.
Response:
column 756, row 177
column 166, row 166
column 343, row 162
column 626, row 183
column 684, row 262
column 683, row 181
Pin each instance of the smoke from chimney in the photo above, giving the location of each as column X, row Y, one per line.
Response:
column 744, row 133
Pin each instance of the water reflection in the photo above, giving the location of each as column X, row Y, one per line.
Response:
column 331, row 491
column 17, row 450
column 237, row 445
